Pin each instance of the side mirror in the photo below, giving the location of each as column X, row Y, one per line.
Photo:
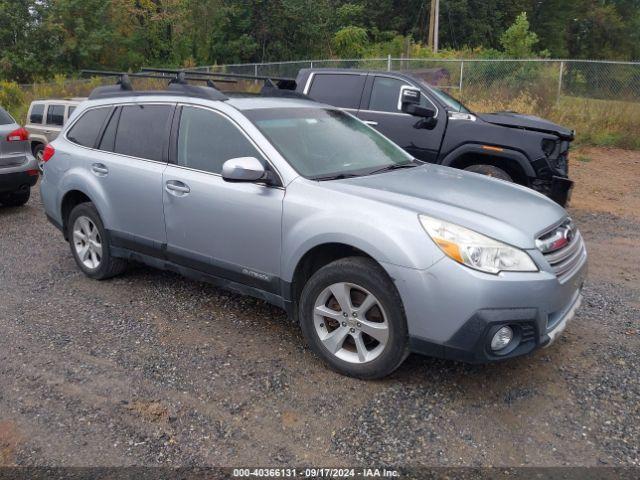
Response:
column 243, row 169
column 410, row 103
column 418, row 110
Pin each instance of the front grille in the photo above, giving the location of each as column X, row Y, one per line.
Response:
column 564, row 249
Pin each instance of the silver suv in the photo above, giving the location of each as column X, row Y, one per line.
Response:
column 45, row 120
column 18, row 168
column 374, row 253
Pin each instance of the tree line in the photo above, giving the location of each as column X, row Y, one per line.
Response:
column 40, row 38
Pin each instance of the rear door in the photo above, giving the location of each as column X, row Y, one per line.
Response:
column 343, row 90
column 127, row 162
column 54, row 120
column 381, row 109
column 226, row 229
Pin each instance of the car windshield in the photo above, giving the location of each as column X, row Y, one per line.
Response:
column 325, row 144
column 450, row 102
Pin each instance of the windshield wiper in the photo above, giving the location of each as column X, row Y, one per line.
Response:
column 338, row 176
column 395, row 166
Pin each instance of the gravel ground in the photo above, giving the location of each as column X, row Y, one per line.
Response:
column 153, row 369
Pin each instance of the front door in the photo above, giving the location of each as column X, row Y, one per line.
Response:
column 383, row 113
column 229, row 230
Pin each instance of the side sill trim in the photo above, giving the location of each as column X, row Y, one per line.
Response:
column 198, row 275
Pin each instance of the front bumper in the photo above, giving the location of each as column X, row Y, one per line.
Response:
column 557, row 188
column 452, row 311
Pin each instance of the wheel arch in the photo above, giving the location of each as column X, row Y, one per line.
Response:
column 313, row 259
column 513, row 162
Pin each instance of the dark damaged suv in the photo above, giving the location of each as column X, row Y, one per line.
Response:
column 437, row 128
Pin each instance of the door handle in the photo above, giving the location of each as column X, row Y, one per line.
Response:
column 370, row 122
column 99, row 169
column 177, row 188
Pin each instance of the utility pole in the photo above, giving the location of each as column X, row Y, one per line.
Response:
column 434, row 25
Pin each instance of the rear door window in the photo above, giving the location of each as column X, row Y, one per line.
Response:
column 339, row 90
column 37, row 111
column 86, row 130
column 55, row 115
column 143, row 131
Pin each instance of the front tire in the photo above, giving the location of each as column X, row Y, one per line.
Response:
column 15, row 199
column 90, row 245
column 352, row 317
column 490, row 171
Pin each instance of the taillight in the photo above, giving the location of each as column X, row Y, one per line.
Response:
column 48, row 153
column 19, row 135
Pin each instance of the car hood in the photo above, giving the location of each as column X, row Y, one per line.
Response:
column 528, row 122
column 507, row 212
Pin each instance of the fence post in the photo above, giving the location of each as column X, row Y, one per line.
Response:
column 560, row 81
column 389, row 63
column 310, row 64
column 461, row 72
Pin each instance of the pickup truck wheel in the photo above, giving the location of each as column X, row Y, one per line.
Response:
column 15, row 199
column 90, row 243
column 490, row 171
column 352, row 317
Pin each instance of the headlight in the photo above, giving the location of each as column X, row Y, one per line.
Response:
column 475, row 250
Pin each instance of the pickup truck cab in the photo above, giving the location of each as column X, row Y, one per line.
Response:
column 524, row 149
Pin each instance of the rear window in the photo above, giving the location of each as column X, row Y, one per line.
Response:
column 5, row 118
column 37, row 110
column 339, row 90
column 55, row 115
column 85, row 131
column 142, row 131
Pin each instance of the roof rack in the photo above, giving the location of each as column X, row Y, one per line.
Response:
column 272, row 87
column 178, row 85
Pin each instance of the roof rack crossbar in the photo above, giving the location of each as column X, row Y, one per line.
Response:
column 218, row 75
column 178, row 83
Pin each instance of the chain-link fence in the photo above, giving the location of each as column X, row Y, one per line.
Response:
column 548, row 79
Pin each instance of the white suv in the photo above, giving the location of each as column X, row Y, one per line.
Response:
column 45, row 120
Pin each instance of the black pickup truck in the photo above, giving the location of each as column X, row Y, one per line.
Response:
column 437, row 128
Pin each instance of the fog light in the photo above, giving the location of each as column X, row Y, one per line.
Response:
column 502, row 338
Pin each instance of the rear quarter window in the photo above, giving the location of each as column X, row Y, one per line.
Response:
column 86, row 130
column 339, row 90
column 37, row 111
column 5, row 118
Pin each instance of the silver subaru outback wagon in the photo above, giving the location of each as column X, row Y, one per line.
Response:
column 374, row 253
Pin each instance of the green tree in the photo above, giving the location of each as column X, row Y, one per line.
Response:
column 350, row 42
column 518, row 41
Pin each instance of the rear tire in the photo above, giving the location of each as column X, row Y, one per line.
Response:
column 15, row 199
column 490, row 171
column 90, row 243
column 361, row 330
column 38, row 151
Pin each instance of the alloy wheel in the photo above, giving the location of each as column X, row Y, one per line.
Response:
column 87, row 242
column 351, row 323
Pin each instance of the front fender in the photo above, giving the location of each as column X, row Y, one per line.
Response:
column 505, row 153
column 311, row 219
